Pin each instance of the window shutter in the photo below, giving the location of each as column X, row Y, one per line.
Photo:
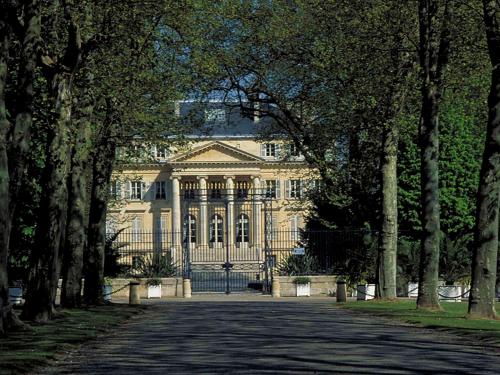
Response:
column 144, row 191
column 301, row 190
column 263, row 150
column 277, row 152
column 127, row 189
column 118, row 187
column 278, row 189
column 288, row 188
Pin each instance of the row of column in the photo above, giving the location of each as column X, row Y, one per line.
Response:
column 203, row 219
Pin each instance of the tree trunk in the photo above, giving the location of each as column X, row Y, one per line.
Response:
column 101, row 176
column 387, row 257
column 20, row 138
column 434, row 50
column 78, row 207
column 13, row 152
column 484, row 262
column 53, row 209
column 5, row 307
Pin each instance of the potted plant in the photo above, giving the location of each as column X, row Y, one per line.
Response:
column 412, row 289
column 16, row 293
column 365, row 290
column 107, row 289
column 154, row 287
column 303, row 286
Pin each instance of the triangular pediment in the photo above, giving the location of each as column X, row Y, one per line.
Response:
column 215, row 152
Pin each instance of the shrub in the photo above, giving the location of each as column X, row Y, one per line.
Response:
column 296, row 265
column 302, row 280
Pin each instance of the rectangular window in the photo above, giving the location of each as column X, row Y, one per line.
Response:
column 215, row 115
column 294, row 151
column 272, row 188
column 161, row 229
column 116, row 190
column 295, row 189
column 160, row 191
column 269, row 150
column 136, row 229
column 242, row 193
column 189, row 193
column 135, row 190
column 160, row 152
column 215, row 193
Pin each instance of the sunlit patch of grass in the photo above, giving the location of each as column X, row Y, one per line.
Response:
column 24, row 351
column 452, row 318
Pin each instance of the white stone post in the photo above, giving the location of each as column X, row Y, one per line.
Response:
column 203, row 211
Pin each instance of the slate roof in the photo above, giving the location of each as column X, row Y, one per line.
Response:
column 236, row 125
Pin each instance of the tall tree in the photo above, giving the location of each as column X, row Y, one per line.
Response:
column 18, row 134
column 484, row 267
column 434, row 47
column 78, row 199
column 44, row 275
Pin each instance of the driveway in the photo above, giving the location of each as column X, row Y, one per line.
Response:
column 231, row 335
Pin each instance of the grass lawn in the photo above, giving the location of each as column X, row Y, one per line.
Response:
column 24, row 351
column 453, row 318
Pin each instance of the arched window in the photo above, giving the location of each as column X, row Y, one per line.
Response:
column 216, row 225
column 190, row 228
column 242, row 228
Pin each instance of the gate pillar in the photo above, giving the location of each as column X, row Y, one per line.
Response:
column 186, row 288
column 276, row 288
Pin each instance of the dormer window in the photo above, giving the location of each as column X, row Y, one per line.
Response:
column 161, row 153
column 215, row 115
column 269, row 150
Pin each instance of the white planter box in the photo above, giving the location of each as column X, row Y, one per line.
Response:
column 412, row 290
column 106, row 291
column 450, row 293
column 303, row 290
column 465, row 292
column 365, row 292
column 154, row 291
column 16, row 295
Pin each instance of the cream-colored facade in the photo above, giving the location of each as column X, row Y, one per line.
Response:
column 228, row 197
column 150, row 197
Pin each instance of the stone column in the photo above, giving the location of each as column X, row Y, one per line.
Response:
column 176, row 212
column 230, row 210
column 257, row 213
column 203, row 211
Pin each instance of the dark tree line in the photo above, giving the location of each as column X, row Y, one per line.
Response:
column 87, row 76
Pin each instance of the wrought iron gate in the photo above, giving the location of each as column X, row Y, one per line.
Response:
column 226, row 242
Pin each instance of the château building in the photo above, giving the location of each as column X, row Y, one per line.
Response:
column 225, row 191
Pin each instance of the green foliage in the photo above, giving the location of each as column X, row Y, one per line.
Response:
column 453, row 317
column 455, row 258
column 154, row 267
column 296, row 265
column 153, row 281
column 358, row 249
column 112, row 266
column 302, row 280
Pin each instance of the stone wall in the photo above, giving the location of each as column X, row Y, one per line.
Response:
column 320, row 285
column 170, row 287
